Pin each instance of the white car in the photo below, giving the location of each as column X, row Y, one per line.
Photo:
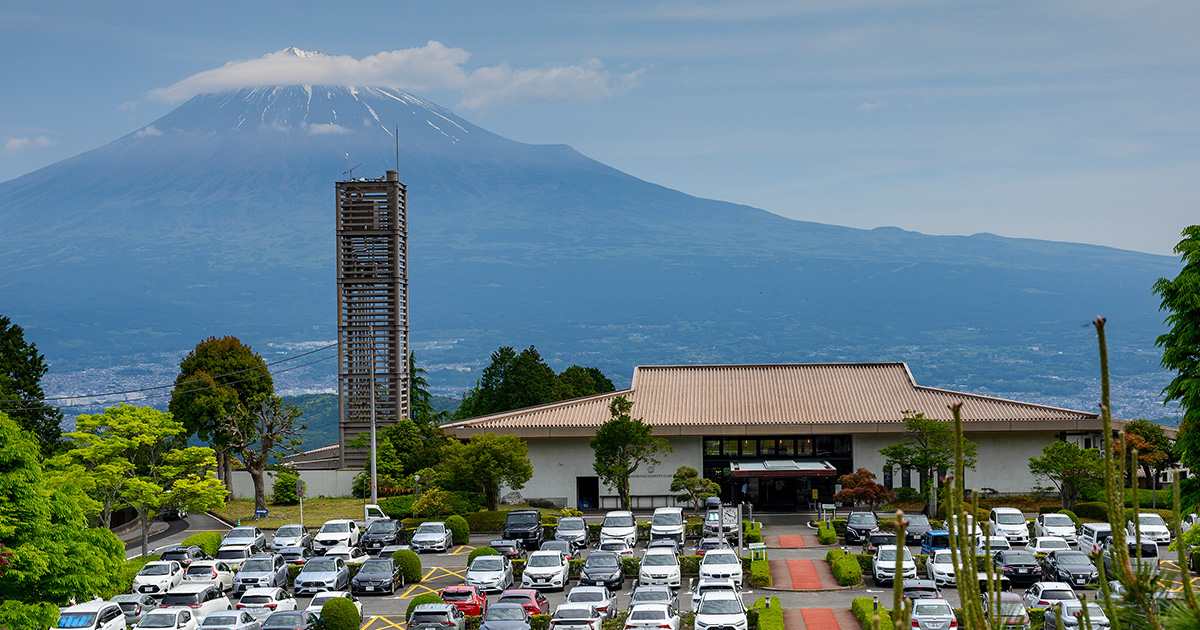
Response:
column 235, row 555
column 722, row 564
column 703, row 587
column 351, row 555
column 883, row 565
column 617, row 546
column 1042, row 595
column 490, row 573
column 1009, row 523
column 336, row 533
column 1057, row 525
column 210, row 572
column 652, row 617
column 158, row 577
column 1046, row 544
column 261, row 602
column 598, row 597
column 619, row 525
column 661, row 567
column 201, row 599
column 577, row 617
column 176, row 619
column 668, row 522
column 720, row 609
column 940, row 567
column 318, row 602
column 546, row 569
column 230, row 620
column 1151, row 526
column 93, row 615
column 996, row 543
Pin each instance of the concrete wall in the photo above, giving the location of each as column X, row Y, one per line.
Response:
column 317, row 483
column 1003, row 458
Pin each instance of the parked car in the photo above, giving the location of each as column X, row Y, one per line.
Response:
column 248, row 535
column 351, row 555
column 1010, row 614
column 546, row 569
column 918, row 524
column 968, row 534
column 858, row 525
column 654, row 595
column 432, row 535
column 230, row 620
column 94, row 615
column 1046, row 544
column 525, row 526
column 722, row 564
column 932, row 614
column 505, row 617
column 184, row 554
column 437, row 617
column 660, row 567
column 380, row 534
column 202, row 599
column 1071, row 614
column 875, row 538
column 617, row 546
column 294, row 535
column 577, row 617
column 940, row 567
column 703, row 587
column 652, row 617
column 261, row 571
column 340, row 532
column 1057, row 525
column 705, row 545
column 1143, row 557
column 883, row 564
column 322, row 574
column 1042, row 595
column 261, row 602
column 989, row 545
column 1009, row 523
column 665, row 543
column 318, row 602
column 468, row 599
column 511, row 549
column 297, row 555
column 561, row 546
column 490, row 573
column 235, row 555
column 602, row 568
column 377, row 575
column 1018, row 565
column 291, row 620
column 720, row 609
column 667, row 522
column 134, row 606
column 158, row 577
column 619, row 525
column 1151, row 527
column 574, row 530
column 531, row 599
column 934, row 540
column 1092, row 537
column 920, row 589
column 598, row 597
column 210, row 572
column 1073, row 567
column 174, row 618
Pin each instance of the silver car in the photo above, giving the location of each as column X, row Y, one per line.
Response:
column 135, row 606
column 932, row 614
column 248, row 535
column 261, row 571
column 430, row 536
column 295, row 535
column 598, row 597
column 231, row 620
column 1072, row 616
column 322, row 574
column 490, row 573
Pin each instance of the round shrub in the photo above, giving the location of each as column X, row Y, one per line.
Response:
column 481, row 551
column 339, row 613
column 423, row 598
column 209, row 542
column 458, row 526
column 283, row 490
column 1074, row 519
column 410, row 564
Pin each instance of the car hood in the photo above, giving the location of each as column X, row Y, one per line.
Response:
column 485, row 575
column 720, row 620
column 150, row 579
column 600, row 571
column 503, row 625
column 316, row 575
column 943, row 568
column 542, row 570
column 342, row 536
column 427, row 537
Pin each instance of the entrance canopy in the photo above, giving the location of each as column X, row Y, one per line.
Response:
column 782, row 468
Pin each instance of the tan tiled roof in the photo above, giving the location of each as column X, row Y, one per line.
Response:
column 791, row 395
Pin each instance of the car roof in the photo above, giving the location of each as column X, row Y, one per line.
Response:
column 588, row 589
column 262, row 590
column 619, row 513
column 601, row 554
column 1009, row 596
column 661, row 550
column 548, row 552
column 703, row 582
column 234, row 547
column 460, row 587
column 668, row 509
column 652, row 606
column 187, row 588
column 439, row 607
column 574, row 606
column 1056, row 586
column 938, row 532
column 1006, row 510
column 720, row 594
column 493, row 606
column 88, row 606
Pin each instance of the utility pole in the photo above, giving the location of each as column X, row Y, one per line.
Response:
column 374, row 478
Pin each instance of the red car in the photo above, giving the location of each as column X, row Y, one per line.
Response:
column 468, row 599
column 533, row 601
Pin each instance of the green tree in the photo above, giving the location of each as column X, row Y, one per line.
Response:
column 692, row 487
column 1154, row 451
column 21, row 370
column 486, row 462
column 420, row 401
column 220, row 378
column 517, row 380
column 927, row 447
column 269, row 429
column 1181, row 344
column 55, row 556
column 622, row 444
column 1070, row 468
column 577, row 382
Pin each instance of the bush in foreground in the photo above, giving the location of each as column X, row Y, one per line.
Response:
column 339, row 613
column 410, row 565
column 460, row 529
column 481, row 551
column 760, row 573
column 864, row 610
column 423, row 598
column 208, row 542
column 769, row 617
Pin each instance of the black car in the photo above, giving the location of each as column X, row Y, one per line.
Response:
column 1018, row 565
column 506, row 617
column 1073, row 567
column 184, row 555
column 875, row 538
column 525, row 526
column 377, row 575
column 290, row 620
column 708, row 544
column 511, row 549
column 918, row 524
column 381, row 534
column 602, row 568
column 858, row 525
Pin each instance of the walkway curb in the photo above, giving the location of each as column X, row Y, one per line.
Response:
column 813, row 590
column 218, row 518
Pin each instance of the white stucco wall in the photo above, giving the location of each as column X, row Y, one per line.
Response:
column 1003, row 458
column 317, row 483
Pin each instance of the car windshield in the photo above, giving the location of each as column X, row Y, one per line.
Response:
column 1073, row 560
column 255, row 599
column 486, row 564
column 861, row 518
column 917, row 520
column 335, row 528
column 1010, row 609
column 571, row 525
column 1058, row 593
column 260, row 565
column 158, row 620
column 287, row 619
column 668, row 518
column 612, row 545
column 1149, row 549
column 520, row 600
column 544, row 561
column 719, row 607
column 456, row 596
column 600, row 562
column 585, row 596
column 645, row 595
column 504, row 614
column 1151, row 519
column 1020, row 557
column 618, row 521
column 720, row 558
column 382, row 527
column 1058, row 520
column 155, row 569
column 239, row 532
column 942, row 557
column 572, row 613
column 218, row 619
column 1095, row 612
column 177, row 556
column 231, row 554
column 320, row 565
column 883, row 539
column 890, row 554
column 712, row 516
column 922, row 609
column 648, row 614
column 523, row 519
column 289, row 531
column 376, row 567
column 659, row 560
column 1005, row 518
column 76, row 620
column 431, row 528
column 180, row 599
column 1052, row 543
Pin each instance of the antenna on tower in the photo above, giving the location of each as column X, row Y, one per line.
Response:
column 350, row 173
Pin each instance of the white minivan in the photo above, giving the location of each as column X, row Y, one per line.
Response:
column 619, row 525
column 667, row 522
column 93, row 616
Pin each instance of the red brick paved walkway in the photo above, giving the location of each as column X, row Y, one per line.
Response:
column 819, row 619
column 780, row 577
column 804, row 574
column 792, row 540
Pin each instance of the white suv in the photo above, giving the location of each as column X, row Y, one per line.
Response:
column 336, row 533
column 546, row 569
column 619, row 526
column 1151, row 527
column 1057, row 525
column 1009, row 523
column 667, row 522
column 720, row 609
column 158, row 577
column 660, row 567
column 883, row 565
column 722, row 563
column 201, row 599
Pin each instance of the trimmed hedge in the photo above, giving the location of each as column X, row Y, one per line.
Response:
column 209, row 542
column 689, row 564
column 846, row 568
column 410, row 565
column 540, row 622
column 631, row 567
column 293, row 571
column 753, row 536
column 864, row 610
column 1037, row 618
column 481, row 551
column 485, row 521
column 575, row 567
column 693, row 530
column 423, row 598
column 769, row 617
column 826, row 534
column 1095, row 510
column 760, row 573
column 460, row 529
column 397, row 507
column 518, row 568
column 339, row 613
column 594, row 530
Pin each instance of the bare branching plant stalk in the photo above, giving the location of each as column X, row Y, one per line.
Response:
column 962, row 549
column 900, row 613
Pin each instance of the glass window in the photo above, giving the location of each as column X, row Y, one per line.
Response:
column 824, row 446
column 766, row 448
column 785, row 447
column 905, row 477
column 804, row 447
column 712, row 447
column 841, row 445
column 749, row 448
column 729, row 447
column 887, row 478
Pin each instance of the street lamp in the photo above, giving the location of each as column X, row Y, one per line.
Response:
column 417, row 479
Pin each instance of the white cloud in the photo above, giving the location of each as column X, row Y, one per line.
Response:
column 433, row 66
column 320, row 130
column 148, row 132
column 17, row 144
column 869, row 107
column 128, row 106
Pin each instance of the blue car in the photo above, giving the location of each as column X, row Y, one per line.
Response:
column 933, row 540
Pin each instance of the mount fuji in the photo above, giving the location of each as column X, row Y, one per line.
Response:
column 218, row 219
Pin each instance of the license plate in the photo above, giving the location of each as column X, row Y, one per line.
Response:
column 1023, row 571
column 148, row 589
column 370, row 588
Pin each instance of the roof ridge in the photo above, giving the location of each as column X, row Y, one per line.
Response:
column 523, row 410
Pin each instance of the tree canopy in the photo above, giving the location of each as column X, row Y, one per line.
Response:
column 21, row 397
column 515, row 380
column 692, row 487
column 486, row 462
column 1070, row 468
column 860, row 488
column 927, row 447
column 1181, row 344
column 622, row 444
column 217, row 376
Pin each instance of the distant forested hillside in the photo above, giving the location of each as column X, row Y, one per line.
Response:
column 321, row 416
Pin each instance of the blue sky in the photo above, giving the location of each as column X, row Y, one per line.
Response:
column 1071, row 121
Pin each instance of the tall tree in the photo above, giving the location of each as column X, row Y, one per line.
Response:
column 219, row 379
column 487, row 461
column 1154, row 453
column 577, row 381
column 270, row 429
column 927, row 447
column 515, row 380
column 1181, row 344
column 420, row 401
column 1070, row 468
column 21, row 370
column 622, row 444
